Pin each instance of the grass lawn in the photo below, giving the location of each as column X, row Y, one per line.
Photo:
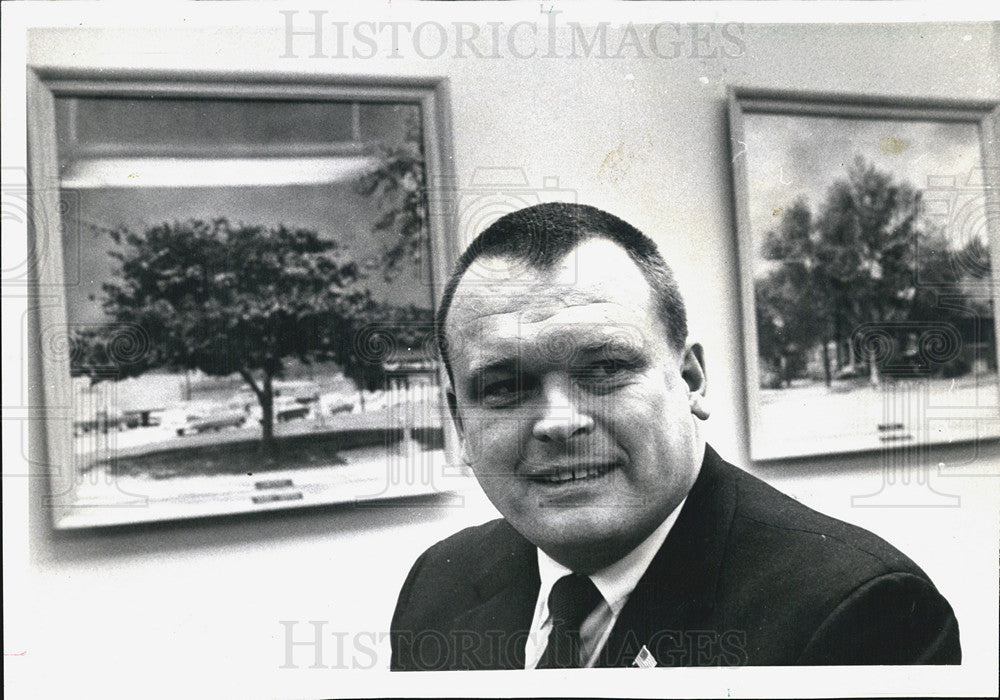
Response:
column 810, row 418
column 315, row 449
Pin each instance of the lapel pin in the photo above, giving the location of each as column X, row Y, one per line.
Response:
column 644, row 659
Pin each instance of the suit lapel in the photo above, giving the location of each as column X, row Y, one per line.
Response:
column 497, row 628
column 676, row 594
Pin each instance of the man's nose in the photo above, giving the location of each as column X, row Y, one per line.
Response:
column 563, row 416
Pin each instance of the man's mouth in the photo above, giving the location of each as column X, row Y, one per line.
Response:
column 572, row 474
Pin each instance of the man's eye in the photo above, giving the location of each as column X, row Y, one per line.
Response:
column 604, row 372
column 501, row 392
column 609, row 367
column 612, row 366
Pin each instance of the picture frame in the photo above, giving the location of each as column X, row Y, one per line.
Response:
column 301, row 370
column 868, row 236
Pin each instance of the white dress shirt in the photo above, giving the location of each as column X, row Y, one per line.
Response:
column 615, row 583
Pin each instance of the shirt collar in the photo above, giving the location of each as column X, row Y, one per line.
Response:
column 616, row 581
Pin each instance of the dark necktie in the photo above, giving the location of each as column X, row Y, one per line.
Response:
column 572, row 599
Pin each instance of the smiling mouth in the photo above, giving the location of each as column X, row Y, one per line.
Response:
column 572, row 475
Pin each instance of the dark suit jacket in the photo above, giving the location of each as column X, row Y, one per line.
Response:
column 747, row 575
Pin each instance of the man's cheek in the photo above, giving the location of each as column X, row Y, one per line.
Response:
column 493, row 449
column 501, row 440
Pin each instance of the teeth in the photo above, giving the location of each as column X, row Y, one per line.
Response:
column 577, row 474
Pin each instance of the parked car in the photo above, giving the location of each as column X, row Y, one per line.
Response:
column 286, row 408
column 102, row 421
column 210, row 417
column 340, row 406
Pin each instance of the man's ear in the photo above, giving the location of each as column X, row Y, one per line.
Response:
column 459, row 426
column 453, row 409
column 693, row 373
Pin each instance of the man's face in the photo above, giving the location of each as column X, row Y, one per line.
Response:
column 573, row 408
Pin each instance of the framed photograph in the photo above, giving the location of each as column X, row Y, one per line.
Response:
column 235, row 291
column 868, row 235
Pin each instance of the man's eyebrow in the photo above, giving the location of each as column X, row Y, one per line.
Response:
column 587, row 347
column 597, row 346
column 479, row 370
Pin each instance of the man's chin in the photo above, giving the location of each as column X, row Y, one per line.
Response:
column 576, row 536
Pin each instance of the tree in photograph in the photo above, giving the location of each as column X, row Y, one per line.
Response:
column 398, row 182
column 954, row 289
column 787, row 327
column 868, row 259
column 229, row 298
column 383, row 334
column 869, row 230
column 792, row 306
column 110, row 351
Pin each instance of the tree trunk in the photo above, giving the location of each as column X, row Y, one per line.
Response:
column 873, row 375
column 837, row 333
column 827, row 375
column 265, row 397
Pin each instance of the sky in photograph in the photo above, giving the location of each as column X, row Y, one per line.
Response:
column 329, row 206
column 335, row 211
column 801, row 156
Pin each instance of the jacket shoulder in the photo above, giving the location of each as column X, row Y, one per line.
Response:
column 447, row 581
column 800, row 530
column 471, row 544
column 446, row 577
column 846, row 595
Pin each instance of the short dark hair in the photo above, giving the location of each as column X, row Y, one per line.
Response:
column 544, row 234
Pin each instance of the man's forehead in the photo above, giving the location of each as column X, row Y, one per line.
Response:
column 555, row 340
column 530, row 307
column 597, row 270
column 595, row 295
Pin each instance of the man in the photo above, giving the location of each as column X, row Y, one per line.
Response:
column 625, row 539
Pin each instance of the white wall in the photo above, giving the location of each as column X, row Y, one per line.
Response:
column 196, row 606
